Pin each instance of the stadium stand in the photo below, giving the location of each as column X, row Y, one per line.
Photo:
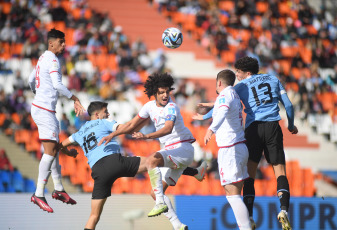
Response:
column 105, row 59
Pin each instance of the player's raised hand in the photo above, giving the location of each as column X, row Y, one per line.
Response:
column 79, row 109
column 197, row 116
column 138, row 135
column 294, row 130
column 106, row 139
column 208, row 136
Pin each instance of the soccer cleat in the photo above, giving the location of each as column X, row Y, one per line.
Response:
column 183, row 227
column 63, row 196
column 283, row 219
column 41, row 202
column 201, row 171
column 158, row 209
column 252, row 223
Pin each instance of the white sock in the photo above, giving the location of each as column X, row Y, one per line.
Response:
column 44, row 173
column 157, row 184
column 171, row 214
column 56, row 174
column 240, row 211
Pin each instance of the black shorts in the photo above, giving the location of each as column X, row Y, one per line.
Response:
column 110, row 168
column 265, row 137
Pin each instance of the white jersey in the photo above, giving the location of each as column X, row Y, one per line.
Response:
column 159, row 115
column 46, row 81
column 227, row 119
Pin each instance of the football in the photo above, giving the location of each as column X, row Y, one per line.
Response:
column 172, row 38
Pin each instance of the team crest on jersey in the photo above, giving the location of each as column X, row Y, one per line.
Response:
column 222, row 100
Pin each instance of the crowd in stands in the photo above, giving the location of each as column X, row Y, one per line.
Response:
column 289, row 39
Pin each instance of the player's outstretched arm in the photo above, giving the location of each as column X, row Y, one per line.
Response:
column 167, row 129
column 205, row 105
column 127, row 128
column 290, row 113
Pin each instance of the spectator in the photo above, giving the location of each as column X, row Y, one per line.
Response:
column 5, row 164
column 64, row 124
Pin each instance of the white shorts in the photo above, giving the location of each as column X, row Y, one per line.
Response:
column 47, row 124
column 176, row 159
column 232, row 162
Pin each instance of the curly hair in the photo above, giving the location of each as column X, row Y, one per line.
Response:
column 157, row 80
column 247, row 64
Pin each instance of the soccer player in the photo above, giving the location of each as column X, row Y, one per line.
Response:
column 230, row 138
column 45, row 82
column 165, row 166
column 105, row 161
column 260, row 94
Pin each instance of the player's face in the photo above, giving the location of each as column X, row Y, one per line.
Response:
column 162, row 96
column 58, row 45
column 217, row 87
column 240, row 75
column 103, row 113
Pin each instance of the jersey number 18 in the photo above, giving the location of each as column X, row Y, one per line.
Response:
column 89, row 142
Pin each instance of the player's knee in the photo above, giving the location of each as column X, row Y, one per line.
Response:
column 282, row 184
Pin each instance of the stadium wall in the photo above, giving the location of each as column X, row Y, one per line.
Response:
column 214, row 213
column 18, row 213
column 198, row 212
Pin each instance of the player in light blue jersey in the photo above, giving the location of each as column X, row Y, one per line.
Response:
column 260, row 94
column 106, row 162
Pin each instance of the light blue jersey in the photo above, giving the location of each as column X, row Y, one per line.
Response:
column 89, row 136
column 260, row 95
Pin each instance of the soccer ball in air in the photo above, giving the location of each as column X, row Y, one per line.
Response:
column 172, row 38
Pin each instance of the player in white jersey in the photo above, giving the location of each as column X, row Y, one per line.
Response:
column 230, row 137
column 165, row 166
column 46, row 82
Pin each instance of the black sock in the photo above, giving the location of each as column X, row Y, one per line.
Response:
column 190, row 171
column 249, row 194
column 87, row 229
column 283, row 187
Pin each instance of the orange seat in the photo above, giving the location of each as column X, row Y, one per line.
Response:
column 306, row 55
column 16, row 118
column 69, row 36
column 284, row 8
column 328, row 100
column 309, row 183
column 16, row 48
column 6, row 7
column 33, row 146
column 289, row 51
column 178, row 17
column 262, row 7
column 227, row 56
column 66, row 4
column 2, row 118
column 285, row 65
column 227, row 5
column 76, row 13
column 189, row 23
